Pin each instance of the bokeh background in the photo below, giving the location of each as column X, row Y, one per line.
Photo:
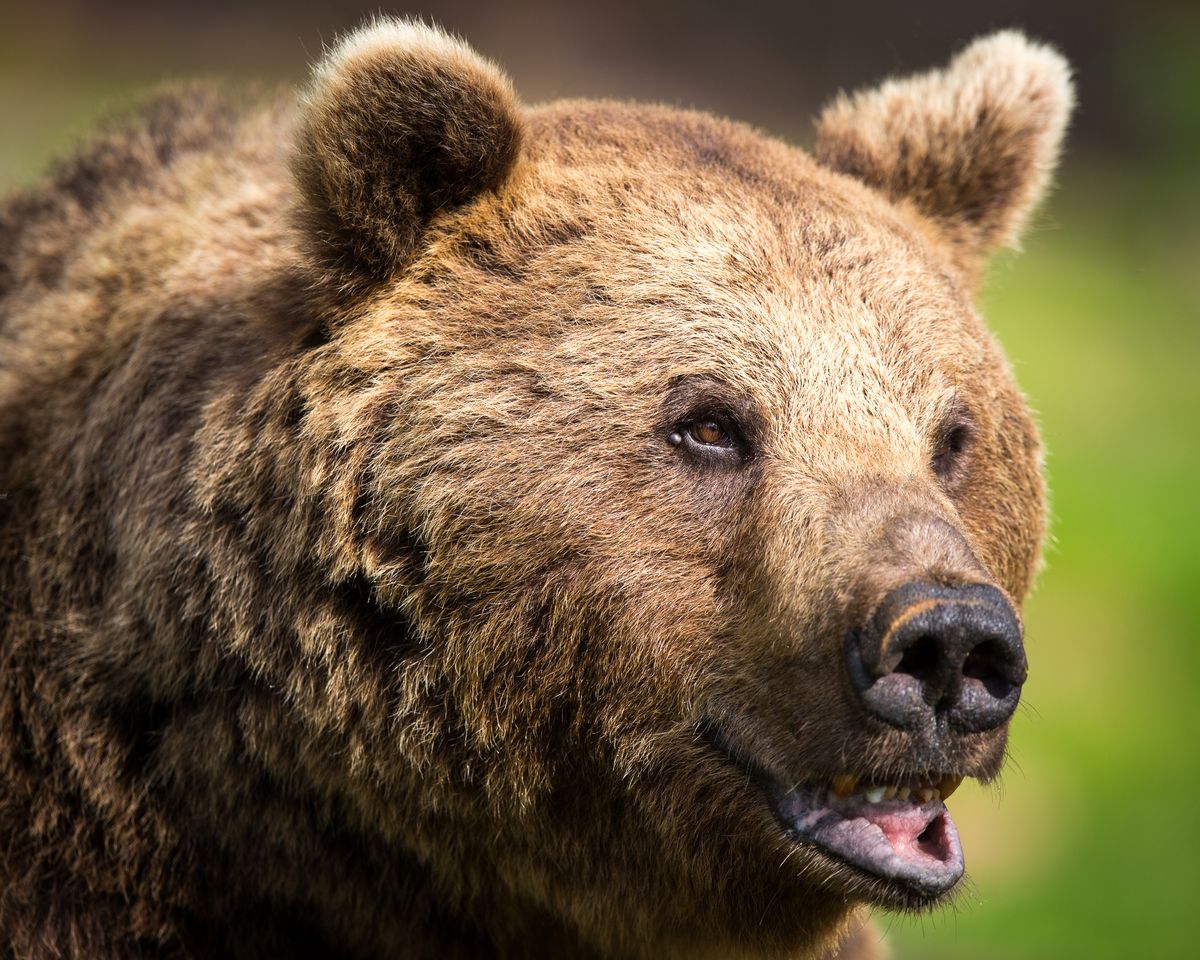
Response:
column 1091, row 846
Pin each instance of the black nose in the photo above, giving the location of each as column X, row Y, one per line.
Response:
column 930, row 652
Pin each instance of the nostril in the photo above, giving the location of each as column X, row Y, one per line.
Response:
column 991, row 664
column 921, row 659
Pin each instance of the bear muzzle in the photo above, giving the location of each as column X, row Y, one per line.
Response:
column 938, row 665
column 930, row 663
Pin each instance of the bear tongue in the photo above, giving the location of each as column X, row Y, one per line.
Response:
column 915, row 844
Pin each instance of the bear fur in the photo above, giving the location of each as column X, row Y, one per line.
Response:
column 357, row 598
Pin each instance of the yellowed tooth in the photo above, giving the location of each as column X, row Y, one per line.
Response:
column 890, row 793
column 926, row 794
column 903, row 793
column 949, row 784
column 843, row 784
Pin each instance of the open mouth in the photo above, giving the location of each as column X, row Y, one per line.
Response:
column 899, row 832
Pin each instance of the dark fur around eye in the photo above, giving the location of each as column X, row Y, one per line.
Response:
column 708, row 422
column 951, row 458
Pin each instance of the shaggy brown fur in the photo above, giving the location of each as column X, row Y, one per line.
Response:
column 353, row 599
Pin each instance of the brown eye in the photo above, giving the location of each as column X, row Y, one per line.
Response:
column 709, row 432
column 710, row 439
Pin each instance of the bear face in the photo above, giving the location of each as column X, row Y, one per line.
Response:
column 633, row 543
column 712, row 403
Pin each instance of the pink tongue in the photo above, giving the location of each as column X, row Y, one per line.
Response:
column 909, row 831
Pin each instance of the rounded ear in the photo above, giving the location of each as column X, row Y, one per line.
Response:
column 400, row 123
column 972, row 146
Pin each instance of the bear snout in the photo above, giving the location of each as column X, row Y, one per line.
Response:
column 931, row 655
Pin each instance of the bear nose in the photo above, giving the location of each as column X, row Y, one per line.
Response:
column 931, row 652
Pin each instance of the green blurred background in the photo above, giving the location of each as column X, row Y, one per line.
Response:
column 1090, row 847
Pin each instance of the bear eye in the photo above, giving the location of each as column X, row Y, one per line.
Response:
column 950, row 454
column 710, row 433
column 709, row 438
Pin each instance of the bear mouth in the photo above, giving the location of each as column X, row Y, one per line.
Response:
column 899, row 835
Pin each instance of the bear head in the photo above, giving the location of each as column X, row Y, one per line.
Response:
column 692, row 502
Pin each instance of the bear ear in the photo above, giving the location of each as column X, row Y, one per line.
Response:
column 972, row 146
column 400, row 123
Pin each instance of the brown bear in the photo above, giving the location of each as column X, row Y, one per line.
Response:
column 437, row 527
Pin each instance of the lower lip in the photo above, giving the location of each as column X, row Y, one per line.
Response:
column 913, row 845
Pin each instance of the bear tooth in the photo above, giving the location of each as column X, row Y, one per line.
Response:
column 903, row 793
column 843, row 784
column 875, row 794
column 948, row 785
column 889, row 793
column 925, row 794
